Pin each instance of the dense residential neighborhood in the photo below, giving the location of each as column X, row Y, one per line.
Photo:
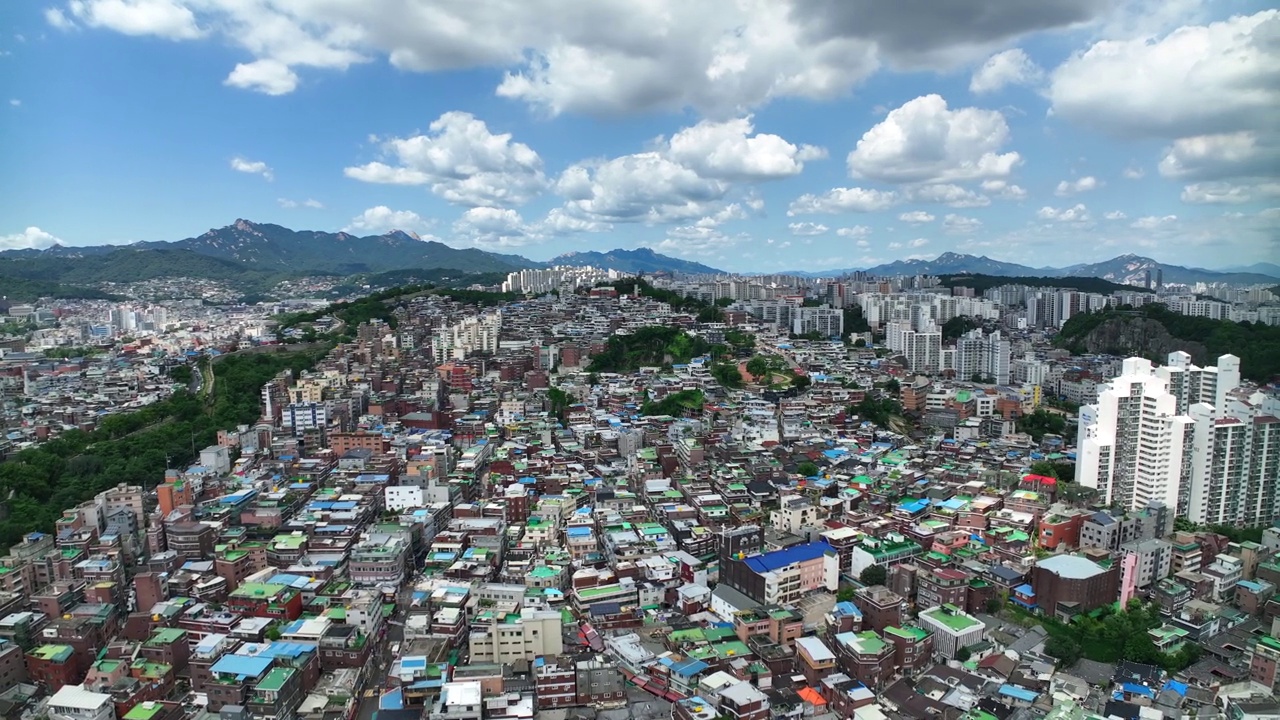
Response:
column 621, row 497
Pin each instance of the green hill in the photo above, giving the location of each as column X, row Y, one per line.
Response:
column 982, row 283
column 1153, row 330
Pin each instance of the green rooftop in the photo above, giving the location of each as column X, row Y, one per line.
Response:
column 166, row 636
column 275, row 679
column 144, row 711
column 909, row 632
column 258, row 590
column 54, row 653
column 951, row 617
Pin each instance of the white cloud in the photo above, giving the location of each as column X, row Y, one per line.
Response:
column 918, row 243
column 916, row 217
column 58, row 19
column 1011, row 67
column 1153, row 222
column 1225, row 155
column 1134, row 173
column 645, row 187
column 841, row 200
column 1197, row 80
column 807, row 228
column 728, row 150
column 1067, row 188
column 1115, row 215
column 32, row 237
column 463, row 162
column 1216, row 193
column 253, row 167
column 1004, row 190
column 960, row 225
column 288, row 204
column 15, row 102
column 693, row 240
column 925, row 141
column 160, row 18
column 494, row 227
column 559, row 222
column 615, row 56
column 948, row 194
column 267, row 76
column 382, row 219
column 1076, row 214
column 857, row 231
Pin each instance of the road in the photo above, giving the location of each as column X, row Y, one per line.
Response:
column 380, row 660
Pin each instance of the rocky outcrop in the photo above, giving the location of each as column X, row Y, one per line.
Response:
column 1135, row 337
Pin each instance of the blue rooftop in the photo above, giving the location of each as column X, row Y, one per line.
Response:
column 769, row 562
column 1018, row 693
column 241, row 666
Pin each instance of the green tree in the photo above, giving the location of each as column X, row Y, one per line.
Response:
column 873, row 575
column 1045, row 468
column 1041, row 423
column 893, row 387
column 1064, row 649
column 963, row 654
column 800, row 382
column 272, row 633
column 758, row 366
column 860, row 343
column 846, row 593
column 807, row 469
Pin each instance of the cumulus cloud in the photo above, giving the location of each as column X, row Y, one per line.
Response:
column 1011, row 67
column 15, row 102
column 288, row 204
column 1116, row 215
column 494, row 227
column 808, row 228
column 168, row 19
column 252, row 167
column 267, row 76
column 32, row 237
column 960, row 225
column 728, row 150
column 382, row 219
column 559, row 222
column 462, row 162
column 1196, row 80
column 695, row 240
column 925, row 141
column 608, row 56
column 1004, row 190
column 1067, row 188
column 1077, row 213
column 1224, row 155
column 947, row 194
column 841, row 200
column 1154, row 222
column 645, row 188
column 857, row 231
column 1134, row 173
column 916, row 217
column 1216, row 193
column 918, row 243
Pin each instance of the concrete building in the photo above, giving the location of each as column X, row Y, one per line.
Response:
column 510, row 638
column 1064, row 585
column 73, row 702
column 1134, row 446
column 952, row 629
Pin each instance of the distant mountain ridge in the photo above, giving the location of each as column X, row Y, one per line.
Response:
column 634, row 261
column 1124, row 269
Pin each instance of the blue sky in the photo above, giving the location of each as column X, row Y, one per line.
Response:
column 750, row 135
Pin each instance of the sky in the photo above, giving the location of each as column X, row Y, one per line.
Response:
column 751, row 135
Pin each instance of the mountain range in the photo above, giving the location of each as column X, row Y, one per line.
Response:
column 635, row 261
column 256, row 255
column 1125, row 270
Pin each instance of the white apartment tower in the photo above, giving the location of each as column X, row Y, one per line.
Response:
column 1187, row 435
column 1133, row 444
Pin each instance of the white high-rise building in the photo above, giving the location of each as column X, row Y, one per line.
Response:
column 1134, row 447
column 983, row 354
column 1187, row 435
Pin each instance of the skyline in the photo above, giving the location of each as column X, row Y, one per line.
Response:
column 1079, row 134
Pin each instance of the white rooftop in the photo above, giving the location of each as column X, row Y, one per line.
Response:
column 76, row 697
column 815, row 649
column 1071, row 567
